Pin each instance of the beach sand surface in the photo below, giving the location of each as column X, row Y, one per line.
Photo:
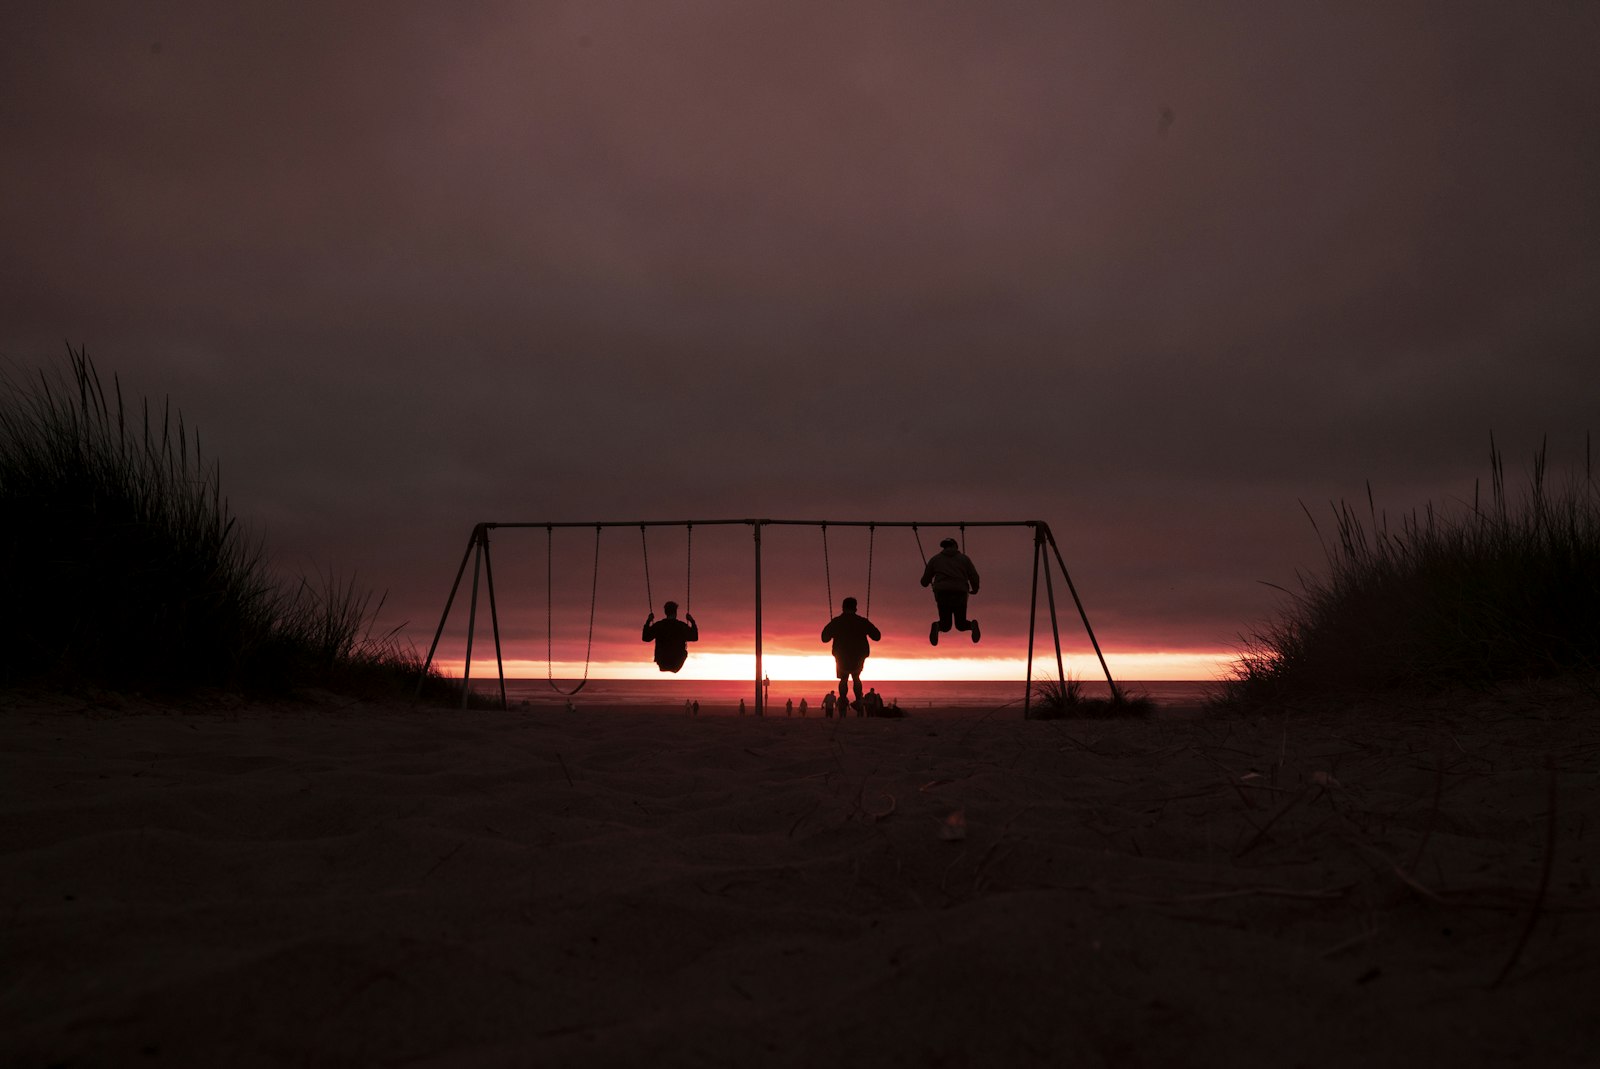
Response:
column 328, row 883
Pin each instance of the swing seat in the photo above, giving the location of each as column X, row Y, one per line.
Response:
column 673, row 663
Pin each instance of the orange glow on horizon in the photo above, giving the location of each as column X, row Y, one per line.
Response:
column 810, row 667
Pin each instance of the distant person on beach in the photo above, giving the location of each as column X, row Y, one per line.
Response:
column 850, row 635
column 803, row 707
column 671, row 636
column 952, row 576
column 741, row 706
column 696, row 707
column 827, row 704
column 873, row 702
column 788, row 707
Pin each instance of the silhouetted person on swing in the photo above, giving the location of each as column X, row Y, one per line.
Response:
column 952, row 576
column 671, row 636
column 850, row 634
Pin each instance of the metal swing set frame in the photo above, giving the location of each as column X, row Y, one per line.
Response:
column 1044, row 549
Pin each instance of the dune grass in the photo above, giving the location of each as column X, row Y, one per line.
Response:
column 1055, row 699
column 1462, row 595
column 125, row 567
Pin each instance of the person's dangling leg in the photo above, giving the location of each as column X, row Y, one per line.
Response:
column 942, row 598
column 958, row 609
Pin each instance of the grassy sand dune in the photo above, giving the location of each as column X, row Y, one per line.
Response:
column 126, row 567
column 1493, row 588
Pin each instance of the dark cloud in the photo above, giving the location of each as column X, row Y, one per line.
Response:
column 1153, row 276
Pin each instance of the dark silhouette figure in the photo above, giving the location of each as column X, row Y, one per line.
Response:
column 953, row 577
column 671, row 636
column 850, row 634
column 827, row 704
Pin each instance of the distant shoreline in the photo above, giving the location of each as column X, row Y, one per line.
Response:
column 940, row 699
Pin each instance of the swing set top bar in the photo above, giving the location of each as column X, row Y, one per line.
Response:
column 784, row 523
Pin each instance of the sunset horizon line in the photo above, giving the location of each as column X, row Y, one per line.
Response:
column 1153, row 666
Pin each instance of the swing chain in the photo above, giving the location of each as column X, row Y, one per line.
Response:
column 872, row 534
column 688, row 571
column 827, row 570
column 549, row 611
column 649, row 598
column 827, row 566
column 594, row 594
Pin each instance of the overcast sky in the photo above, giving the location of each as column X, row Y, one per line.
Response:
column 1154, row 273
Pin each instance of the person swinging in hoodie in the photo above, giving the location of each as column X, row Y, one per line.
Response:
column 952, row 576
column 671, row 636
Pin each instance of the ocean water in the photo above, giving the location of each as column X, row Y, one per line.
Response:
column 721, row 697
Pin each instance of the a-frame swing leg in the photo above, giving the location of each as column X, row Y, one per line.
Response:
column 433, row 648
column 1033, row 613
column 1116, row 695
column 1055, row 626
column 472, row 615
column 494, row 619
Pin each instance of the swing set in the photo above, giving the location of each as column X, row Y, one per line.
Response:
column 477, row 552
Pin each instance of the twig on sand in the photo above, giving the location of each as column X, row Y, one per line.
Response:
column 564, row 771
column 1228, row 777
column 1401, row 874
column 885, row 814
column 1243, row 797
column 435, row 868
column 803, row 816
column 1262, row 833
column 1283, row 750
column 1354, row 941
column 979, row 874
column 1433, row 817
column 1544, row 882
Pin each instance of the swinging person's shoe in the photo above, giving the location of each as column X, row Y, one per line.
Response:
column 933, row 633
column 976, row 634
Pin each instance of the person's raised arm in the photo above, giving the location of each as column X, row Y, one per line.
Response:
column 649, row 623
column 927, row 573
column 694, row 628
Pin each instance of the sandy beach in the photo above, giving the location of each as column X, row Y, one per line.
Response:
column 336, row 883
